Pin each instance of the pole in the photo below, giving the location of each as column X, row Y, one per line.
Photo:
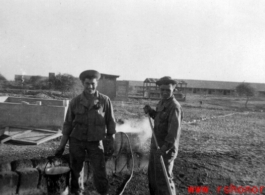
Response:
column 161, row 160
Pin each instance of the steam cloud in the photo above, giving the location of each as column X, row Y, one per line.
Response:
column 142, row 128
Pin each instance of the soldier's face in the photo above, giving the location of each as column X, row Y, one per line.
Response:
column 90, row 85
column 166, row 91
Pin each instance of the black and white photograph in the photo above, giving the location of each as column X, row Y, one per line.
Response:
column 135, row 97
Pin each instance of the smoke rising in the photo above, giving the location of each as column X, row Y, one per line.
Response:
column 140, row 127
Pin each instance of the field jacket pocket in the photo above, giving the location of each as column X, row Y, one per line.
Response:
column 80, row 116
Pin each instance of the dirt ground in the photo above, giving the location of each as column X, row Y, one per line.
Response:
column 221, row 144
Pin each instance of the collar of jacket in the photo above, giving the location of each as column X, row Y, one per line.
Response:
column 85, row 102
column 164, row 103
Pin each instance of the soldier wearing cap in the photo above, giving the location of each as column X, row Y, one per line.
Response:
column 167, row 120
column 89, row 120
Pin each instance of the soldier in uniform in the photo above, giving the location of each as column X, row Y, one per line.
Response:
column 89, row 120
column 167, row 121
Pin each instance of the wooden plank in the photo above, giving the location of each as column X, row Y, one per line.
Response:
column 37, row 142
column 35, row 129
column 34, row 136
column 47, row 135
column 48, row 138
column 46, row 130
column 14, row 136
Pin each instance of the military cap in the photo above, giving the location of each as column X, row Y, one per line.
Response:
column 89, row 74
column 165, row 81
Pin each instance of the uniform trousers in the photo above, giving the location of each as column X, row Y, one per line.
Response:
column 156, row 178
column 95, row 153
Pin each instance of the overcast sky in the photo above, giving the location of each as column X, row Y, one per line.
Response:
column 186, row 39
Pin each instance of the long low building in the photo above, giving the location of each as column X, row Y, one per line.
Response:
column 219, row 87
column 201, row 87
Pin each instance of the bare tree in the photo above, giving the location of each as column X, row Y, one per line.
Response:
column 245, row 90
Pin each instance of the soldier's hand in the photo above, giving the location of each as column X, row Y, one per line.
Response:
column 59, row 152
column 108, row 146
column 147, row 109
column 110, row 151
column 162, row 150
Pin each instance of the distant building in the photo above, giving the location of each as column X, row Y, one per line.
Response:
column 51, row 76
column 200, row 87
column 107, row 85
column 25, row 78
column 122, row 89
column 218, row 87
column 135, row 88
column 151, row 89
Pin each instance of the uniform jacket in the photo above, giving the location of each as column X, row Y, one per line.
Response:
column 167, row 122
column 89, row 120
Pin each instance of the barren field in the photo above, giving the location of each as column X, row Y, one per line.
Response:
column 222, row 144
